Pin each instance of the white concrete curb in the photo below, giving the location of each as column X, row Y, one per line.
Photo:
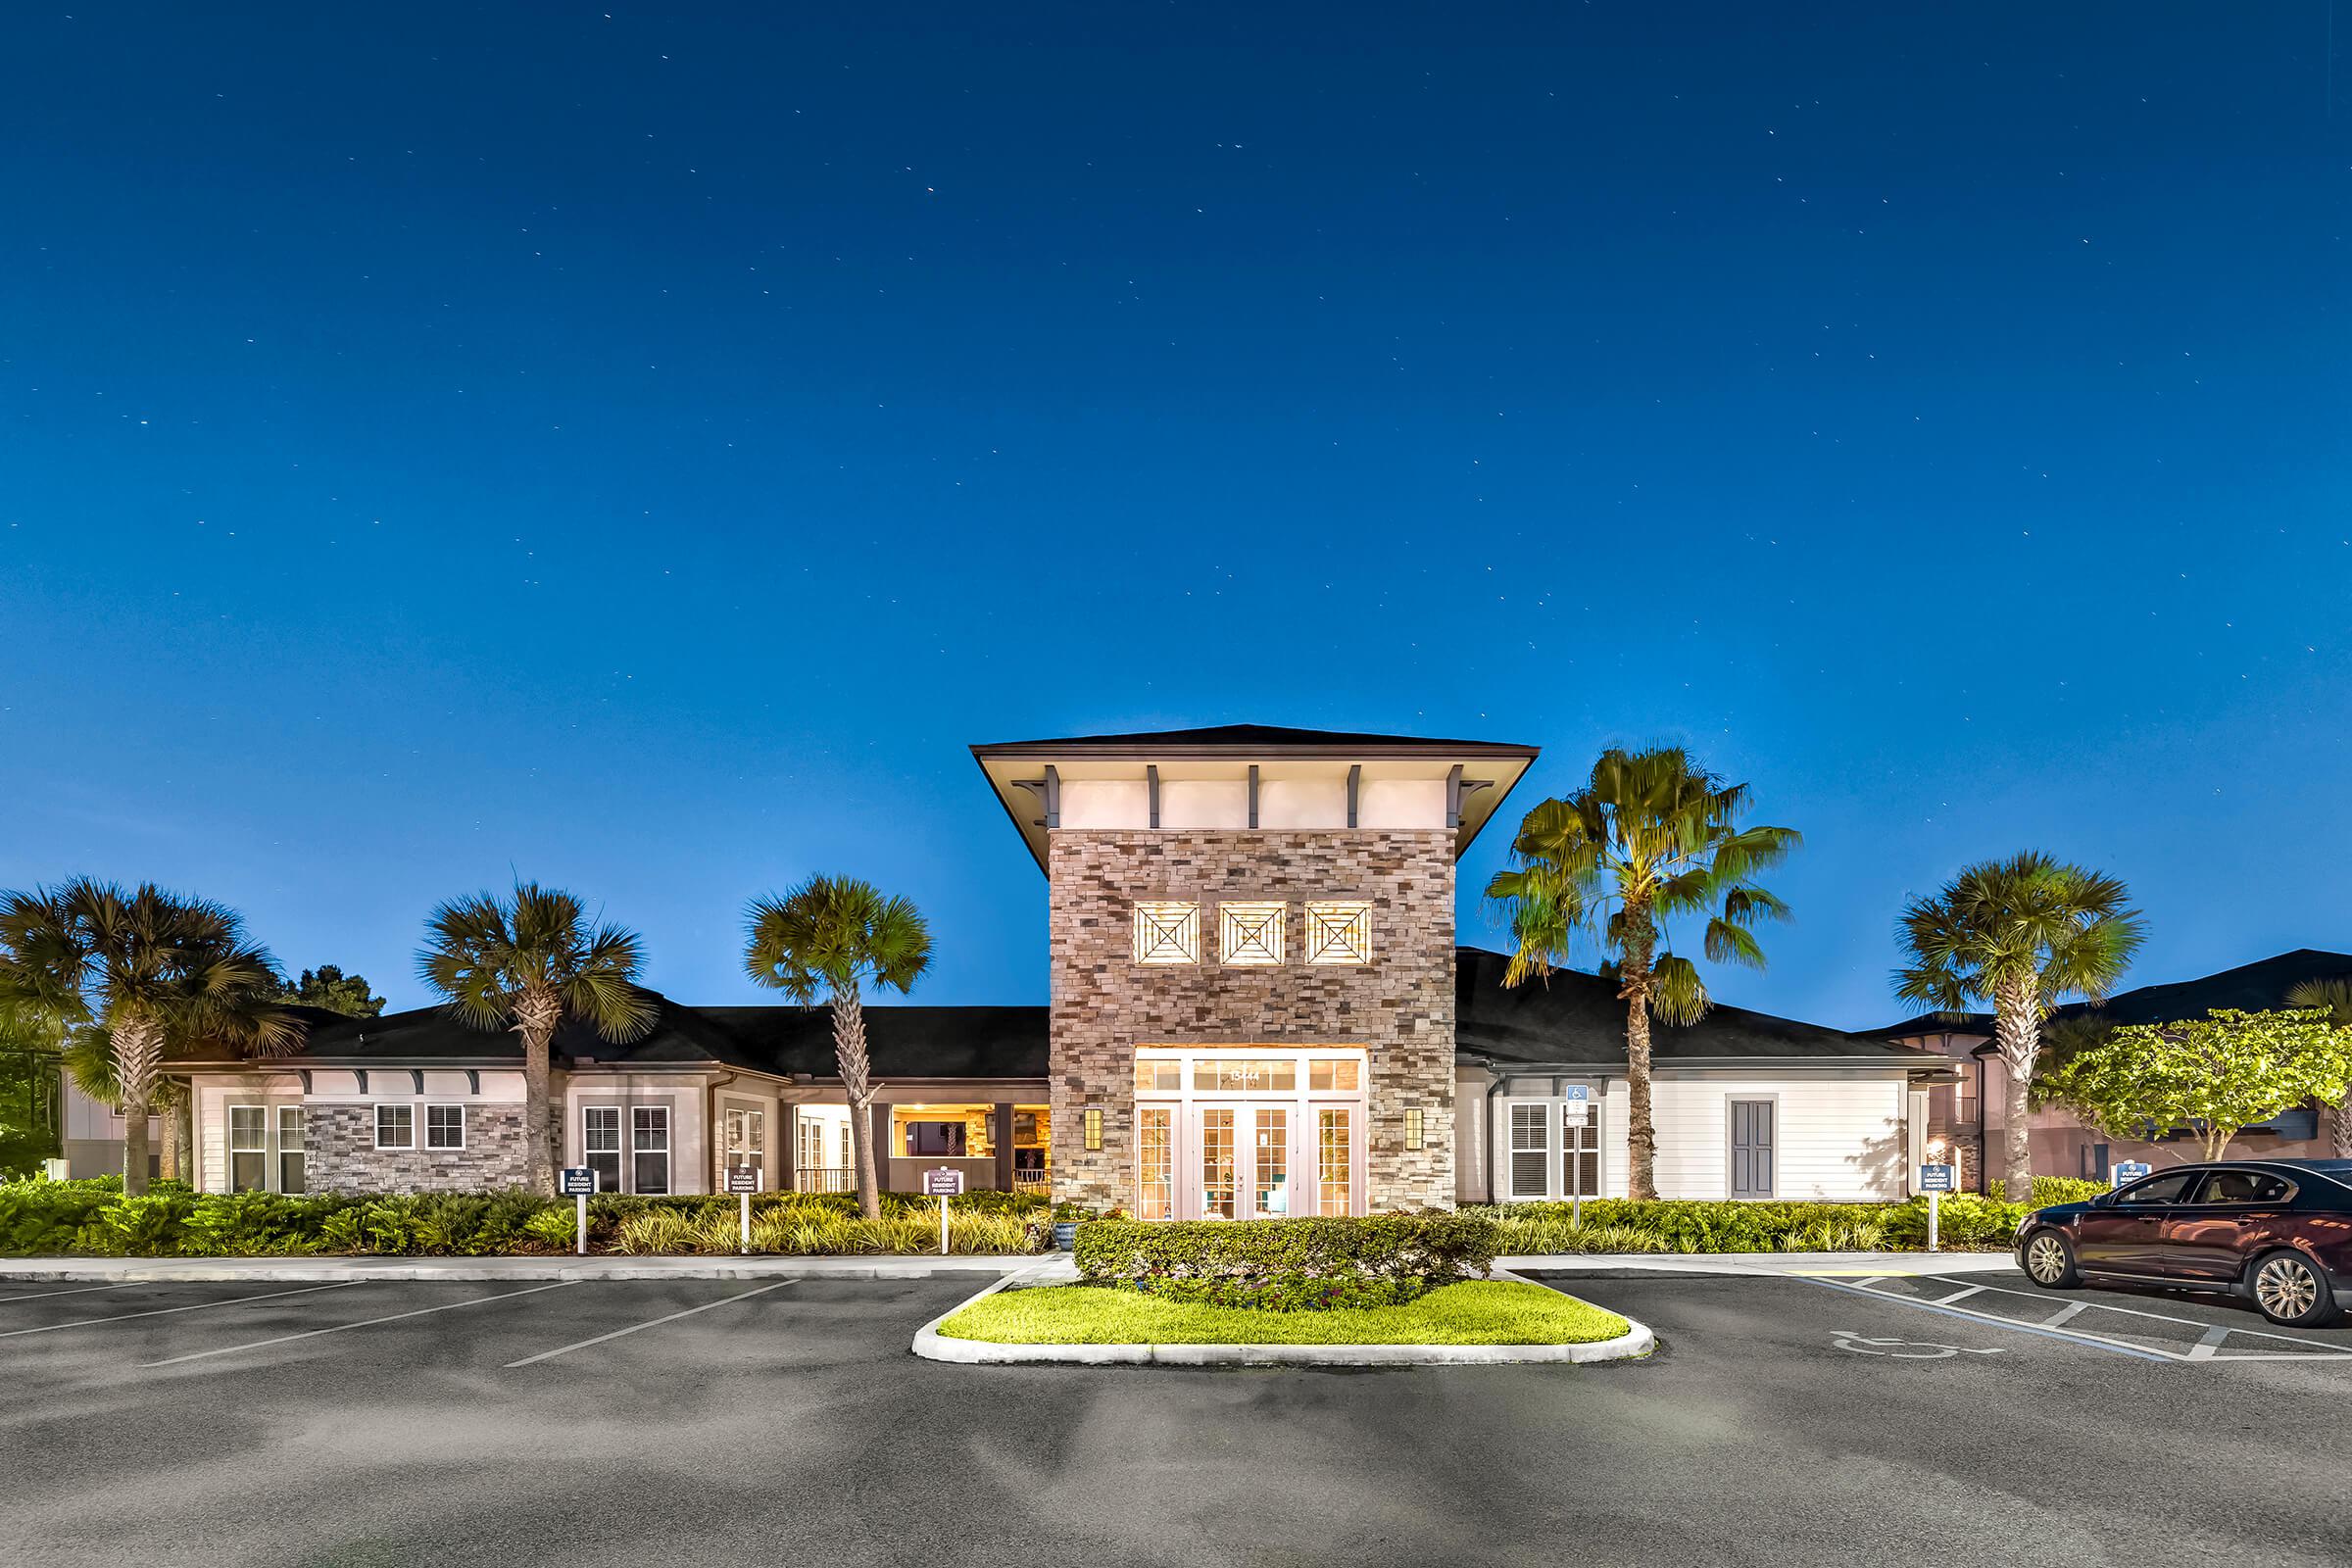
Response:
column 1764, row 1263
column 930, row 1345
column 316, row 1270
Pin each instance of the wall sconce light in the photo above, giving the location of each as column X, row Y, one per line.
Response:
column 1094, row 1131
column 1412, row 1128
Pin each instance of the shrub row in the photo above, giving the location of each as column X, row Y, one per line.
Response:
column 94, row 1219
column 1677, row 1225
column 1289, row 1265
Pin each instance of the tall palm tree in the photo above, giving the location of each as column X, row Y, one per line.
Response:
column 2335, row 996
column 147, row 966
column 88, row 1059
column 526, row 963
column 840, row 935
column 1650, row 837
column 2019, row 933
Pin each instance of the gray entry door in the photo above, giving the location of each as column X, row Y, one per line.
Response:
column 1752, row 1147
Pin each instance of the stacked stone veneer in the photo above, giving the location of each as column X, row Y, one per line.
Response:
column 1399, row 1007
column 341, row 1154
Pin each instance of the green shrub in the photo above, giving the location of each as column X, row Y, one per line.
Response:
column 1690, row 1225
column 2048, row 1189
column 1392, row 1257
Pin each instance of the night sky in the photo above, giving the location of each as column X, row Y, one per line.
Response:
column 641, row 451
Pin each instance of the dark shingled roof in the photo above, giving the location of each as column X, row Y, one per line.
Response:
column 1575, row 1019
column 1253, row 737
column 2256, row 987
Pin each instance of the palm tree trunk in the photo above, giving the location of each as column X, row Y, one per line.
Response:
column 176, row 1155
column 2340, row 1128
column 535, row 1019
column 850, row 1057
column 138, row 1046
column 2018, row 1025
column 1640, row 1125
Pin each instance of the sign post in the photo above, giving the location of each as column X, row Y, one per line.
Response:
column 2126, row 1172
column 1576, row 1112
column 577, row 1182
column 743, row 1183
column 943, row 1184
column 1936, row 1181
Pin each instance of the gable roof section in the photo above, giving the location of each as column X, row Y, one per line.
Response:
column 1575, row 1019
column 1274, row 739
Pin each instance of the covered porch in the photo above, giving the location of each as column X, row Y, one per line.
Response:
column 1002, row 1141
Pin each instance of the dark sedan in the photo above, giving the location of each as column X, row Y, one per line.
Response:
column 2277, row 1232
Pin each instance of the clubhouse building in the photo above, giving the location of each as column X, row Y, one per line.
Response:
column 1258, row 1008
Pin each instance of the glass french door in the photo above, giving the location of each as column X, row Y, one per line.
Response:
column 1243, row 1161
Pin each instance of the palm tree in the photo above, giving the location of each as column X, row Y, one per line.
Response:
column 1650, row 837
column 2334, row 998
column 148, row 967
column 2020, row 933
column 527, row 963
column 89, row 1061
column 840, row 935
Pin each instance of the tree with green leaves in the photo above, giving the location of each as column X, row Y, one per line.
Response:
column 526, row 963
column 88, row 1061
column 835, row 935
column 30, row 1120
column 2213, row 1075
column 1650, row 839
column 2333, row 998
column 2021, row 934
column 329, row 988
column 147, row 966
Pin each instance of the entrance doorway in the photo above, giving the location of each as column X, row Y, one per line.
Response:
column 1249, row 1131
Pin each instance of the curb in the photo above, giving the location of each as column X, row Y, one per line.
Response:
column 931, row 1346
column 1769, row 1265
column 399, row 1270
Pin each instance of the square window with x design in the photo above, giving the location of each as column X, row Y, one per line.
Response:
column 1339, row 931
column 1249, row 933
column 1167, row 932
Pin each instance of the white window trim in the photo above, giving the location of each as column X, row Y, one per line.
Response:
column 376, row 1115
column 1555, row 1142
column 669, row 1169
column 1302, row 1150
column 445, row 1104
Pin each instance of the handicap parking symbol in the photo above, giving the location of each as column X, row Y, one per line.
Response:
column 1903, row 1349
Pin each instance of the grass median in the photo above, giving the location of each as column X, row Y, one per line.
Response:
column 1473, row 1312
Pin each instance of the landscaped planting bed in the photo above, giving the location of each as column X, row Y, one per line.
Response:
column 94, row 1219
column 1469, row 1312
column 1667, row 1225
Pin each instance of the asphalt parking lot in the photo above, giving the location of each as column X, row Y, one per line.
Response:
column 713, row 1421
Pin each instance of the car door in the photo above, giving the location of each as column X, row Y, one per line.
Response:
column 2125, row 1234
column 2229, row 1218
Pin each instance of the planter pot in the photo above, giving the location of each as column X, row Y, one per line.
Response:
column 1065, row 1235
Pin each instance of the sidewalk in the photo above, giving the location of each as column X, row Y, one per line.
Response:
column 1051, row 1269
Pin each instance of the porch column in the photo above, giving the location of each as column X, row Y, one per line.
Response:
column 1004, row 1120
column 880, row 1134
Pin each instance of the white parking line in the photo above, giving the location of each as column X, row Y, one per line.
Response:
column 567, row 1350
column 161, row 1311
column 2208, row 1348
column 79, row 1290
column 1959, row 1295
column 363, row 1323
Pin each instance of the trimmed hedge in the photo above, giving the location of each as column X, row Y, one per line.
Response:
column 1289, row 1265
column 2048, row 1189
column 94, row 1219
column 1681, row 1225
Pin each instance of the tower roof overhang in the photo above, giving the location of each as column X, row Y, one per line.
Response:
column 1475, row 775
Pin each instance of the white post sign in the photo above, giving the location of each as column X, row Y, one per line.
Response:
column 744, row 1183
column 943, row 1184
column 1936, row 1181
column 1576, row 1111
column 577, row 1182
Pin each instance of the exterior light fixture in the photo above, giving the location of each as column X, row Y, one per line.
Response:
column 1412, row 1128
column 1094, row 1131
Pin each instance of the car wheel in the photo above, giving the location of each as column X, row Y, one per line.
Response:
column 2050, row 1261
column 2291, row 1291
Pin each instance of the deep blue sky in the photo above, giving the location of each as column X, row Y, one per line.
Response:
column 641, row 451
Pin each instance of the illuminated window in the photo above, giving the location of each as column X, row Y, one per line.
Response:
column 1335, row 1170
column 943, row 1132
column 1338, row 932
column 1335, row 1076
column 1218, row 1175
column 1155, row 1163
column 1413, row 1129
column 1275, row 1073
column 1158, row 1074
column 1270, row 1167
column 1167, row 933
column 1093, row 1126
column 1249, row 934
